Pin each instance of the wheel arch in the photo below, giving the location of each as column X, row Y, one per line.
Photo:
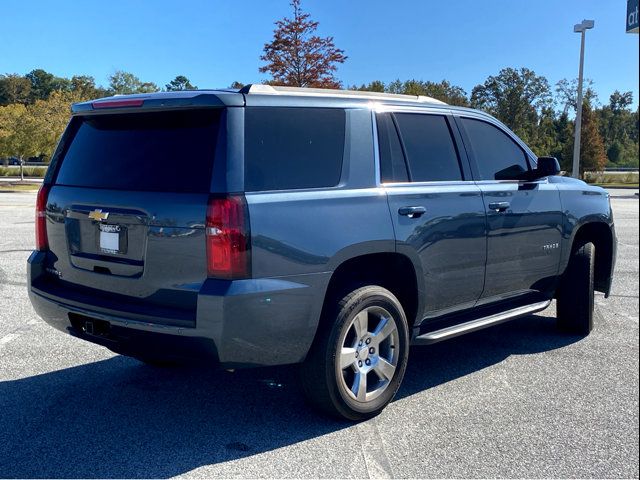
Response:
column 394, row 271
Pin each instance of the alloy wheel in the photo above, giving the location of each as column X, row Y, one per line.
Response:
column 368, row 354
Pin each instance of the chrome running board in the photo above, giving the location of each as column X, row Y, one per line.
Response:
column 478, row 324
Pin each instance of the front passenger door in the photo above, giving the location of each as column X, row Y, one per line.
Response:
column 524, row 218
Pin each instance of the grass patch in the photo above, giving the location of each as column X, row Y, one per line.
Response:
column 14, row 171
column 612, row 178
column 616, row 185
column 19, row 187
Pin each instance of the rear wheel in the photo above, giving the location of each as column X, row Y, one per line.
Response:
column 575, row 302
column 355, row 368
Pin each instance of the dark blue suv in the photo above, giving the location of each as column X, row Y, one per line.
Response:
column 271, row 226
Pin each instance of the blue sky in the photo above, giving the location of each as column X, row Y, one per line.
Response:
column 215, row 42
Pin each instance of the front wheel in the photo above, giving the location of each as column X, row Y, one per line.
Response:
column 575, row 302
column 357, row 364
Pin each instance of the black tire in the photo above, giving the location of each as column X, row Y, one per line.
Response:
column 324, row 380
column 575, row 299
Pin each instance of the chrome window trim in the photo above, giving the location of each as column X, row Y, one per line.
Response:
column 441, row 183
column 517, row 182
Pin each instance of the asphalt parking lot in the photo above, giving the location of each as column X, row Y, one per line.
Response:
column 517, row 400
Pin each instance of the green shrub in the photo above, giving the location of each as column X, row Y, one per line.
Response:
column 14, row 171
column 611, row 177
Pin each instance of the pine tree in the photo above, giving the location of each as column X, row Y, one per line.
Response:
column 298, row 57
column 592, row 152
column 179, row 83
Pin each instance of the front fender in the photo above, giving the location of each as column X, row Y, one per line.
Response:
column 587, row 209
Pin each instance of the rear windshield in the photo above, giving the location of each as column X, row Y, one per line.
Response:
column 159, row 151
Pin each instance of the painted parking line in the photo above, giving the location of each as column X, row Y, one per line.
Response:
column 373, row 451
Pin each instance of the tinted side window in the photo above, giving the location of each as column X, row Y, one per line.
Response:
column 289, row 148
column 429, row 147
column 497, row 155
column 392, row 165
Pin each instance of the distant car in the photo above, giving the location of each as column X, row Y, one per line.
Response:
column 39, row 159
column 13, row 161
column 273, row 226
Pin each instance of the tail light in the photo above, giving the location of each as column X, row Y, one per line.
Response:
column 227, row 237
column 42, row 242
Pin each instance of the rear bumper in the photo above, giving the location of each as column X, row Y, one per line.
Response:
column 253, row 322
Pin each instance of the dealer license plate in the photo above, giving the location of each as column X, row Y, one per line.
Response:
column 112, row 239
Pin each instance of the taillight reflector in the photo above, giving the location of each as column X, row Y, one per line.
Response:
column 227, row 237
column 42, row 242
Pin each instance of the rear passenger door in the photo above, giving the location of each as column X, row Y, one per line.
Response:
column 437, row 209
column 524, row 217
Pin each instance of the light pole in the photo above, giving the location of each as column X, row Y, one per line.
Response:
column 579, row 28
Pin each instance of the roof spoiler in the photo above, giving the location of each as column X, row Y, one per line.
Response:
column 160, row 100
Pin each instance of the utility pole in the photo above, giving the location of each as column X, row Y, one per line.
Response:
column 579, row 28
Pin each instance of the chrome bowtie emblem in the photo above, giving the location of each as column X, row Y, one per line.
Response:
column 98, row 215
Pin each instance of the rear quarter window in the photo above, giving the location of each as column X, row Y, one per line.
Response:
column 160, row 151
column 293, row 148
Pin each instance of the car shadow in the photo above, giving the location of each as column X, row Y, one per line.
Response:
column 118, row 418
column 437, row 364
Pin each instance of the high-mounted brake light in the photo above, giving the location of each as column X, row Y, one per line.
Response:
column 228, row 238
column 42, row 241
column 123, row 103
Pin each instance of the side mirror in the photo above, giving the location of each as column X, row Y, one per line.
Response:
column 547, row 166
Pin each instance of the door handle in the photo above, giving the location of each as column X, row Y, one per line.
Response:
column 412, row 212
column 499, row 206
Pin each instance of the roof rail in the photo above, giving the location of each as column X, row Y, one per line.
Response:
column 257, row 88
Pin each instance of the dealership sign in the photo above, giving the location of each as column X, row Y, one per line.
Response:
column 632, row 16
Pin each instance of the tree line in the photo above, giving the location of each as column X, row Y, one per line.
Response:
column 34, row 108
column 521, row 99
column 544, row 117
